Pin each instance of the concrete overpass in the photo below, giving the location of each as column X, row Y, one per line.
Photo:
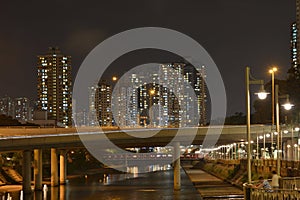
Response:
column 12, row 139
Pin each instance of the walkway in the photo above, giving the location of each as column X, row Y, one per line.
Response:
column 211, row 187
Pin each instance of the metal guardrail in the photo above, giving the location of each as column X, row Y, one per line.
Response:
column 289, row 190
column 290, row 183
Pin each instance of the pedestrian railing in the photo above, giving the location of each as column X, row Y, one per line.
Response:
column 251, row 193
column 290, row 183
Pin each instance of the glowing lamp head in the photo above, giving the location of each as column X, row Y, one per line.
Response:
column 262, row 94
column 274, row 69
column 287, row 106
column 297, row 129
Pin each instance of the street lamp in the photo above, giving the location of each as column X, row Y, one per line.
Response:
column 297, row 129
column 248, row 82
column 272, row 72
column 152, row 92
column 286, row 105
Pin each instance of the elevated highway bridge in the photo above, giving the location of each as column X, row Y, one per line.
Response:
column 12, row 139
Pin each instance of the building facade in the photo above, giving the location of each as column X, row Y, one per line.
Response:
column 55, row 86
column 103, row 104
column 295, row 47
column 7, row 106
column 294, row 70
column 18, row 108
column 22, row 109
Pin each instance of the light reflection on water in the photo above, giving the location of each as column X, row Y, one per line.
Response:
column 87, row 186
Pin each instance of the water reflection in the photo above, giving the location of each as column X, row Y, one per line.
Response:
column 89, row 186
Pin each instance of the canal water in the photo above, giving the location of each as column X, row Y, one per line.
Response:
column 158, row 184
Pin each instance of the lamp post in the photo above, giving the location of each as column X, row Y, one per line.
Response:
column 257, row 147
column 272, row 72
column 262, row 95
column 286, row 106
column 152, row 92
column 297, row 130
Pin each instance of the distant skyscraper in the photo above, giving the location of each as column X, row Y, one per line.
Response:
column 295, row 44
column 171, row 92
column 22, row 109
column 7, row 106
column 55, row 86
column 18, row 108
column 298, row 13
column 125, row 102
column 92, row 107
column 103, row 104
column 294, row 70
column 196, row 78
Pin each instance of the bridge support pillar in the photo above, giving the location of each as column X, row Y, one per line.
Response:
column 26, row 172
column 54, row 166
column 63, row 167
column 38, row 169
column 177, row 178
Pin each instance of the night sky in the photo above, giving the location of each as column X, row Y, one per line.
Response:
column 235, row 33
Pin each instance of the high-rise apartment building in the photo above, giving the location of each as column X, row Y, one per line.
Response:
column 22, row 109
column 7, row 106
column 55, row 86
column 103, row 104
column 92, row 116
column 294, row 70
column 195, row 77
column 295, row 41
column 18, row 108
column 125, row 102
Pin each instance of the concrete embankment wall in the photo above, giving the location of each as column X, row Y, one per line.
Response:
column 235, row 171
column 9, row 175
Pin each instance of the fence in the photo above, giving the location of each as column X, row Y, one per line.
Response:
column 289, row 190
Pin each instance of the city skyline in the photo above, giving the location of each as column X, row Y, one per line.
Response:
column 236, row 34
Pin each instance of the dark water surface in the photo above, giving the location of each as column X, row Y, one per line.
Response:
column 153, row 185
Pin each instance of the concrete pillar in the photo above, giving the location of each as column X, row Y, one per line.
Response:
column 63, row 167
column 54, row 193
column 26, row 172
column 54, row 166
column 38, row 169
column 177, row 178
